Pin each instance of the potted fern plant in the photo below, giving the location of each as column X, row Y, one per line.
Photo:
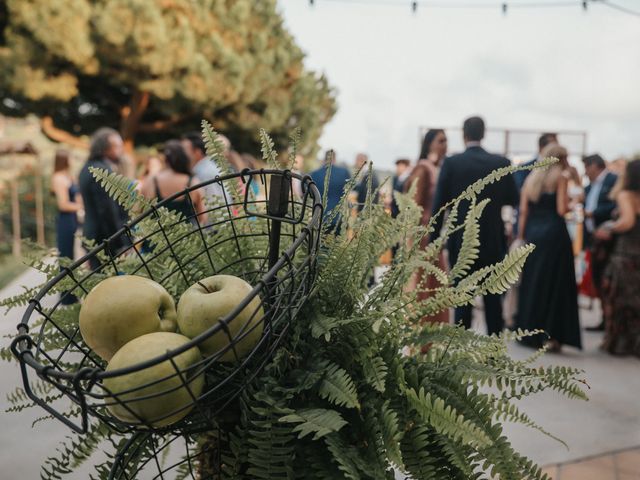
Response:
column 359, row 388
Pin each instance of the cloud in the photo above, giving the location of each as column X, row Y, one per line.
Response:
column 548, row 69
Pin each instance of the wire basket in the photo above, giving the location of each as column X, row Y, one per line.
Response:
column 176, row 456
column 270, row 238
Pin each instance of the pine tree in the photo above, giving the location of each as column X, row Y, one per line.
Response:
column 156, row 68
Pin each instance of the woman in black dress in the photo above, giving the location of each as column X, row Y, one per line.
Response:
column 176, row 177
column 548, row 293
column 69, row 203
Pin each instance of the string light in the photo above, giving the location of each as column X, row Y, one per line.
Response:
column 503, row 6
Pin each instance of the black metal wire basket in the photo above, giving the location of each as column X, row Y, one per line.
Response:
column 159, row 457
column 270, row 238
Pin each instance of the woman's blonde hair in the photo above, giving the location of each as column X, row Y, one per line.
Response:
column 546, row 179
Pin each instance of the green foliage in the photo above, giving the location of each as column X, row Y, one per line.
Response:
column 360, row 386
column 153, row 69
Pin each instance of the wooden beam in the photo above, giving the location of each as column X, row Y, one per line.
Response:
column 15, row 215
column 39, row 197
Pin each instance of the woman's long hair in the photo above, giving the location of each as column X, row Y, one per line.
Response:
column 429, row 137
column 61, row 161
column 546, row 179
column 176, row 157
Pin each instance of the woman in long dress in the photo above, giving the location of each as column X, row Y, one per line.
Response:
column 425, row 173
column 621, row 283
column 548, row 292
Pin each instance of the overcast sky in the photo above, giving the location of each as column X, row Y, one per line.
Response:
column 544, row 69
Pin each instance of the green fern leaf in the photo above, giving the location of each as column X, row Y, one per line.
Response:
column 318, row 421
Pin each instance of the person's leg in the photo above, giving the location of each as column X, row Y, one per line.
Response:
column 463, row 315
column 493, row 313
column 65, row 231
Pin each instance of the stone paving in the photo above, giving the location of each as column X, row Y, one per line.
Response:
column 603, row 434
column 623, row 465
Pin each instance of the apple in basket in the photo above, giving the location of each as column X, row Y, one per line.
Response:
column 122, row 308
column 159, row 395
column 203, row 304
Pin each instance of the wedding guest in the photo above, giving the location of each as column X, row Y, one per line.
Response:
column 175, row 177
column 103, row 216
column 202, row 166
column 425, row 176
column 621, row 282
column 456, row 174
column 549, row 294
column 337, row 181
column 598, row 208
column 362, row 165
column 69, row 203
column 521, row 175
column 403, row 170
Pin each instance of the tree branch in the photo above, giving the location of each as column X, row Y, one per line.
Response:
column 160, row 125
column 62, row 136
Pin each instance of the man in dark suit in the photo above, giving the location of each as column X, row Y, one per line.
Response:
column 457, row 173
column 403, row 171
column 339, row 177
column 103, row 216
column 360, row 188
column 598, row 208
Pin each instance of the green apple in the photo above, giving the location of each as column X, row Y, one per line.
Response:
column 203, row 304
column 122, row 308
column 159, row 395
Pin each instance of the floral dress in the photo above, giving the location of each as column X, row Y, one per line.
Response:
column 621, row 298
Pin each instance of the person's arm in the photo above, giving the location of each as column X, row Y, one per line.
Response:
column 442, row 196
column 197, row 197
column 626, row 219
column 60, row 188
column 524, row 212
column 606, row 206
column 562, row 196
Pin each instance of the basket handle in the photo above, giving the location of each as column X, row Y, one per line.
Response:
column 20, row 354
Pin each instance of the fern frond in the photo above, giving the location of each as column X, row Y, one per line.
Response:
column 445, row 419
column 338, row 387
column 121, row 189
column 269, row 154
column 506, row 273
column 294, row 141
column 318, row 421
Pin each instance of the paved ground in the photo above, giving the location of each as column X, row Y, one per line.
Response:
column 609, row 422
column 623, row 465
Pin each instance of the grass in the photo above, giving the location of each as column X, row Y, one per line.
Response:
column 10, row 268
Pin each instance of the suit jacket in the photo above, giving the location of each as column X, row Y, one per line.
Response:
column 605, row 205
column 103, row 216
column 521, row 175
column 398, row 186
column 339, row 177
column 457, row 173
column 361, row 189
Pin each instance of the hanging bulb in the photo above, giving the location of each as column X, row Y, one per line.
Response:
column 311, row 2
column 585, row 5
column 504, row 8
column 414, row 6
